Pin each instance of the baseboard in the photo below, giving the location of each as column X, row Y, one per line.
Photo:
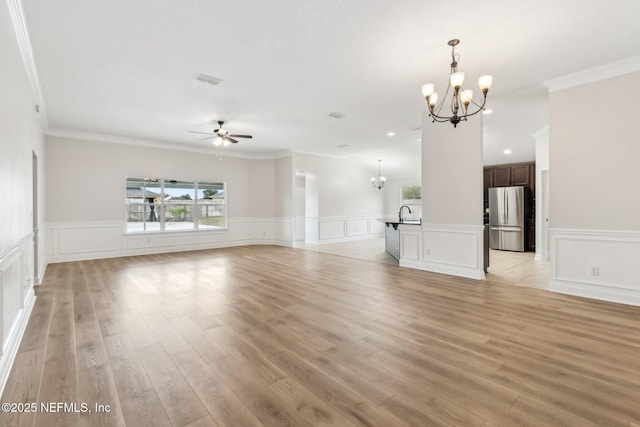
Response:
column 594, row 291
column 452, row 270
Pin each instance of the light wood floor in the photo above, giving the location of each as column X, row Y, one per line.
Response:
column 511, row 268
column 274, row 336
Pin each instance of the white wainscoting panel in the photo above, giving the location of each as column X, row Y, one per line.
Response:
column 331, row 228
column 344, row 229
column 300, row 227
column 376, row 227
column 596, row 264
column 16, row 301
column 357, row 227
column 410, row 242
column 81, row 241
column 447, row 249
column 95, row 238
column 172, row 239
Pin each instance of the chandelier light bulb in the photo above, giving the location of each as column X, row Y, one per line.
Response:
column 217, row 142
column 485, row 83
column 456, row 79
column 433, row 99
column 466, row 96
column 428, row 89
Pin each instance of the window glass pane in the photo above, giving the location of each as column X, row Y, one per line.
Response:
column 412, row 197
column 211, row 205
column 179, row 204
column 142, row 200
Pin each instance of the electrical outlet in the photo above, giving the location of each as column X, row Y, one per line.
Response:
column 595, row 271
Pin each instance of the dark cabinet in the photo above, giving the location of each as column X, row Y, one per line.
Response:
column 520, row 175
column 487, row 179
column 501, row 176
column 510, row 175
column 531, row 235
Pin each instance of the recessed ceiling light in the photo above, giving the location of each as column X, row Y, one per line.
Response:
column 507, row 151
column 487, row 111
column 391, row 133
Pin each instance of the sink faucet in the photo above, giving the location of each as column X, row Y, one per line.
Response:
column 400, row 212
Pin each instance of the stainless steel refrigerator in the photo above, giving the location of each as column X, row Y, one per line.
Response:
column 506, row 218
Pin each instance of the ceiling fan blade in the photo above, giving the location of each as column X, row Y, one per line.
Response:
column 206, row 137
column 241, row 136
column 204, row 133
column 235, row 141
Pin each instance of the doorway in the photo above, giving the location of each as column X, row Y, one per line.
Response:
column 34, row 216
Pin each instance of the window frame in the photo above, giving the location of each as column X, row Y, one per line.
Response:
column 161, row 206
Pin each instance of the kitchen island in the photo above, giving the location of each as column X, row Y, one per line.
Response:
column 392, row 234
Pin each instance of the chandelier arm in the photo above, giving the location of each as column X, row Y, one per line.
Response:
column 481, row 108
column 439, row 119
column 484, row 101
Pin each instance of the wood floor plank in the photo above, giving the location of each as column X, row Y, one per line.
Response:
column 144, row 409
column 308, row 405
column 223, row 405
column 23, row 386
column 276, row 336
column 96, row 387
column 255, row 394
column 178, row 398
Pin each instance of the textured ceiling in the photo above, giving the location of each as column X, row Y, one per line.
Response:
column 126, row 68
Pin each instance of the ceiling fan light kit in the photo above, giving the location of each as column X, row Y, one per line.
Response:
column 221, row 136
column 460, row 98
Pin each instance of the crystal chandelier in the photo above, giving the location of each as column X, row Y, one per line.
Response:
column 378, row 182
column 461, row 98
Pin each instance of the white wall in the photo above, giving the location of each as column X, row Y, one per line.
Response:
column 20, row 136
column 451, row 237
column 595, row 204
column 339, row 192
column 85, row 196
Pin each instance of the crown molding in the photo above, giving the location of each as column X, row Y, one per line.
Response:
column 140, row 142
column 602, row 72
column 24, row 44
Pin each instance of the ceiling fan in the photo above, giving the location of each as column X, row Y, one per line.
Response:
column 223, row 137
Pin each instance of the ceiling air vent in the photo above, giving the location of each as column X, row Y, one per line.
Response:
column 336, row 115
column 207, row 79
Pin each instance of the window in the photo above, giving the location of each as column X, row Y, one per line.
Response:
column 157, row 204
column 412, row 197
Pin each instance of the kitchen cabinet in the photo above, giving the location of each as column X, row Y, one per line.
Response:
column 520, row 175
column 531, row 235
column 510, row 175
column 501, row 176
column 487, row 179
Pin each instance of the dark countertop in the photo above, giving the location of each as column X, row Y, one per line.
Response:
column 395, row 221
